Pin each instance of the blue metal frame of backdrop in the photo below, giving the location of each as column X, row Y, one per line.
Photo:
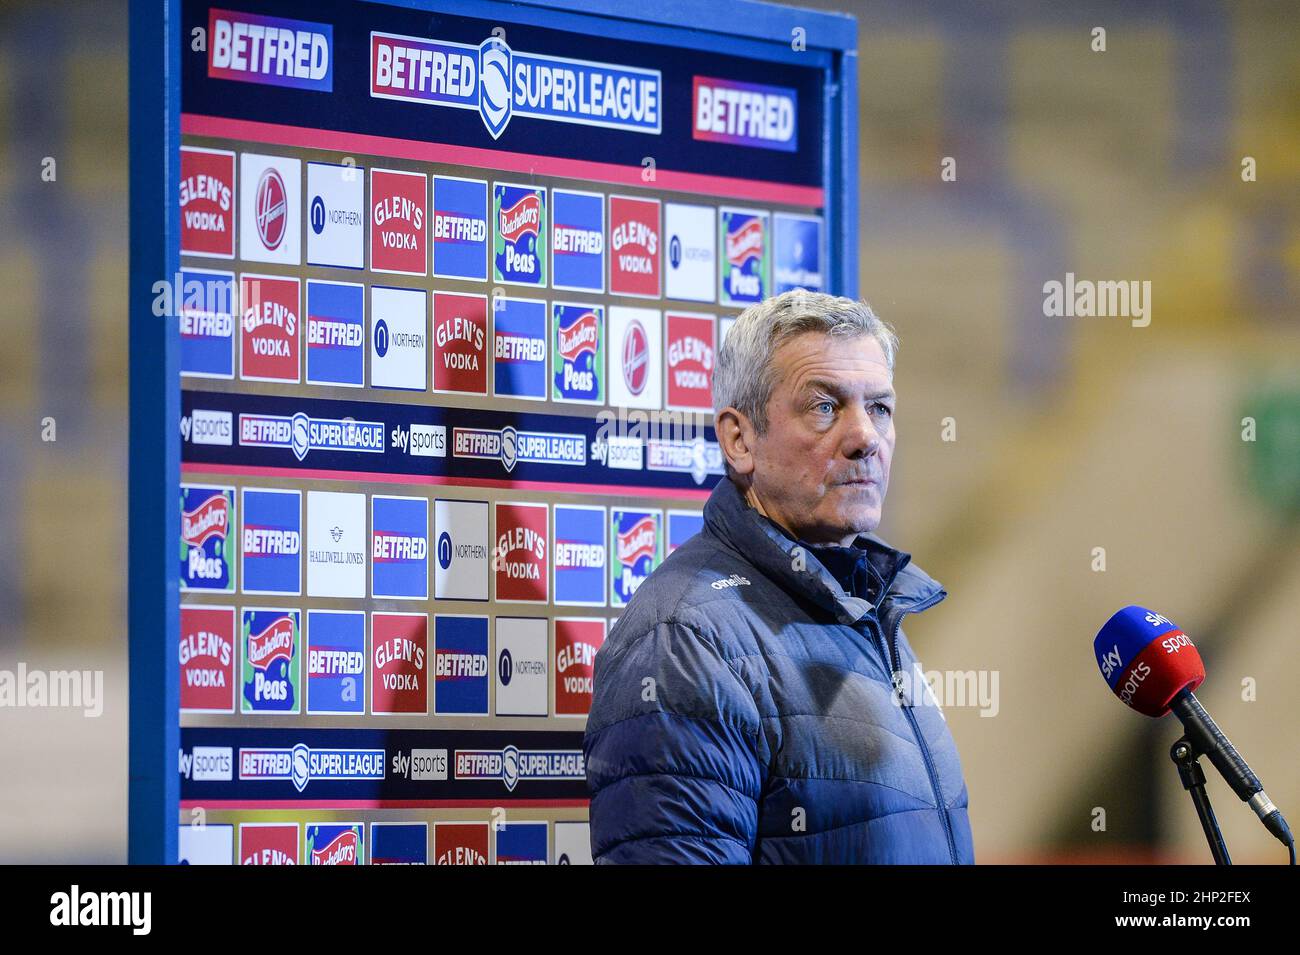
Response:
column 752, row 29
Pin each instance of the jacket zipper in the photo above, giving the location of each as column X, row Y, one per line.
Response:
column 892, row 652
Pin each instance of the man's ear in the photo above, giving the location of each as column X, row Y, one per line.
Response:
column 735, row 437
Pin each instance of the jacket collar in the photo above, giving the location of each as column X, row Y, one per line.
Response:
column 795, row 568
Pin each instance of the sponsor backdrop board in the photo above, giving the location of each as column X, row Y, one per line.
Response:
column 437, row 359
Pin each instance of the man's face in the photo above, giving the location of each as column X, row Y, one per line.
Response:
column 821, row 470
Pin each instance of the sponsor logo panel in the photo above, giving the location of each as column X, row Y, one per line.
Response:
column 460, row 228
column 207, row 658
column 576, row 641
column 336, row 215
column 271, row 651
column 461, row 665
column 400, row 644
column 207, row 529
column 207, row 202
column 336, row 661
column 270, row 209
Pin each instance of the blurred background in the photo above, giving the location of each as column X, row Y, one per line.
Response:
column 1095, row 463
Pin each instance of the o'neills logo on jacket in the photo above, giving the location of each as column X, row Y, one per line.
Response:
column 521, row 219
column 579, row 337
column 341, row 850
column 273, row 643
column 209, row 519
column 745, row 243
column 638, row 541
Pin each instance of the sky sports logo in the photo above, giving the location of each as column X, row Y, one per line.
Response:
column 275, row 51
column 500, row 83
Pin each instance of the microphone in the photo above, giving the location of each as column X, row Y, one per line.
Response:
column 1153, row 666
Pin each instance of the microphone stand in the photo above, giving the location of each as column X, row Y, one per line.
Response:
column 1185, row 754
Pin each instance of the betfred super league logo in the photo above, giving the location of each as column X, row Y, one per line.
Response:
column 271, row 653
column 207, row 520
column 495, row 102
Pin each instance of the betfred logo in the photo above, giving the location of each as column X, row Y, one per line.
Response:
column 576, row 641
column 207, row 655
column 270, row 200
column 579, row 555
column 207, row 323
column 207, row 200
column 742, row 234
column 682, row 526
column 579, row 362
column 634, row 552
column 399, row 553
column 270, row 668
column 519, row 553
column 335, row 844
column 460, row 340
column 460, row 228
column 635, row 354
column 398, row 208
column 207, row 523
column 689, row 358
column 336, row 661
column 460, row 843
column 275, row 51
column 460, row 665
column 522, row 843
column 578, row 241
column 395, row 843
column 519, row 348
column 268, row 328
column 744, row 114
column 634, row 251
column 400, row 643
column 271, row 541
column 336, row 336
column 268, row 843
column 519, row 234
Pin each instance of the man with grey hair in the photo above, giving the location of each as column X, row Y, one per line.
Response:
column 757, row 701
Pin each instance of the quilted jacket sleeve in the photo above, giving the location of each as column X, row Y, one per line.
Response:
column 674, row 753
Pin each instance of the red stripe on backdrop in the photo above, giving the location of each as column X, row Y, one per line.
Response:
column 345, row 805
column 491, row 160
column 622, row 490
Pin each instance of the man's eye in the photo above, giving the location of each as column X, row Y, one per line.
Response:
column 881, row 406
column 824, row 407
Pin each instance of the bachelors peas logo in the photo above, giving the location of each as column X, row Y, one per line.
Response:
column 579, row 363
column 271, row 654
column 743, row 235
column 207, row 516
column 519, row 234
column 634, row 551
column 335, row 845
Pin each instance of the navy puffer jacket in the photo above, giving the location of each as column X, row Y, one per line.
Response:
column 744, row 711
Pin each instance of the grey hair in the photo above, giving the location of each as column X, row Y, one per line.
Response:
column 744, row 377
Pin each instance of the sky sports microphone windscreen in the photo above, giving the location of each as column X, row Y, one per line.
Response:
column 1147, row 660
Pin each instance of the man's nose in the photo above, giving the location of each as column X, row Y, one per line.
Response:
column 861, row 438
